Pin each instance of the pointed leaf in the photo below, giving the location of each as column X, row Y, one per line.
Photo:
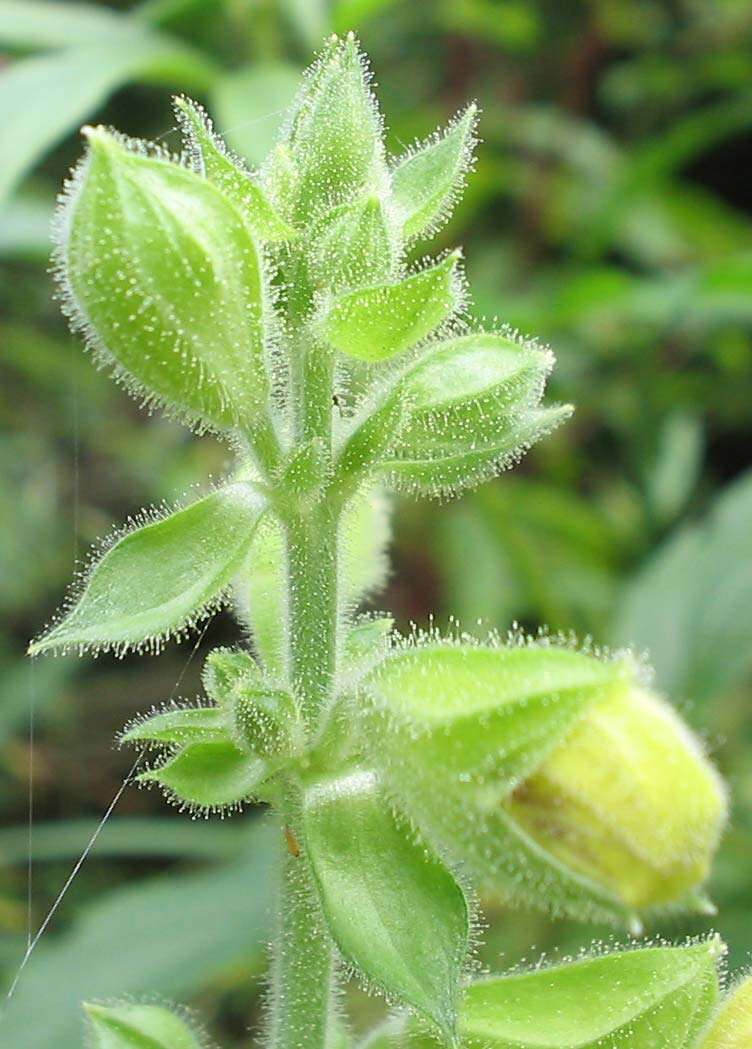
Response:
column 353, row 245
column 375, row 323
column 427, row 181
column 450, row 469
column 167, row 284
column 209, row 775
column 212, row 159
column 470, row 407
column 336, row 133
column 180, row 725
column 133, row 1026
column 159, row 579
column 393, row 908
column 641, row 999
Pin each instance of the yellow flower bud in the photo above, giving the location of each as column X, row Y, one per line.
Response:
column 732, row 1027
column 629, row 800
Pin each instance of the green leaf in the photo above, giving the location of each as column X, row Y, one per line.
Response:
column 451, row 469
column 226, row 671
column 161, row 578
column 640, row 999
column 25, row 227
column 45, row 97
column 732, row 1025
column 37, row 24
column 637, row 999
column 123, row 836
column 464, row 410
column 174, row 936
column 487, row 717
column 466, row 390
column 180, row 725
column 375, row 323
column 250, row 105
column 211, row 159
column 167, row 284
column 393, row 908
column 335, row 134
column 689, row 605
column 353, row 246
column 131, row 1025
column 428, row 179
column 266, row 721
column 209, row 775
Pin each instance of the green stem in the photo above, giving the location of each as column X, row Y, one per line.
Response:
column 302, row 975
column 312, row 542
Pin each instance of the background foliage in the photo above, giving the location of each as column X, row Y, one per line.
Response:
column 610, row 214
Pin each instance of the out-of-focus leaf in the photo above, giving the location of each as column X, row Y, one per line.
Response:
column 546, row 555
column 45, row 97
column 38, row 24
column 509, row 23
column 167, row 936
column 309, row 18
column 122, row 837
column 674, row 471
column 349, row 13
column 249, row 105
column 25, row 228
column 689, row 606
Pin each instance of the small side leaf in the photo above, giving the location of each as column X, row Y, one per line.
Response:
column 375, row 323
column 159, row 579
column 427, row 181
column 209, row 775
column 212, row 159
column 133, row 1026
column 392, row 906
column 180, row 725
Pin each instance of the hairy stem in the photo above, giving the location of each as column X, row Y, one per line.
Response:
column 302, row 973
column 312, row 541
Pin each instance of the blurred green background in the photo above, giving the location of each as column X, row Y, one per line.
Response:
column 610, row 214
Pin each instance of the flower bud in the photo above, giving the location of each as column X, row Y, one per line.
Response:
column 732, row 1027
column 629, row 800
column 564, row 783
column 164, row 275
column 264, row 721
